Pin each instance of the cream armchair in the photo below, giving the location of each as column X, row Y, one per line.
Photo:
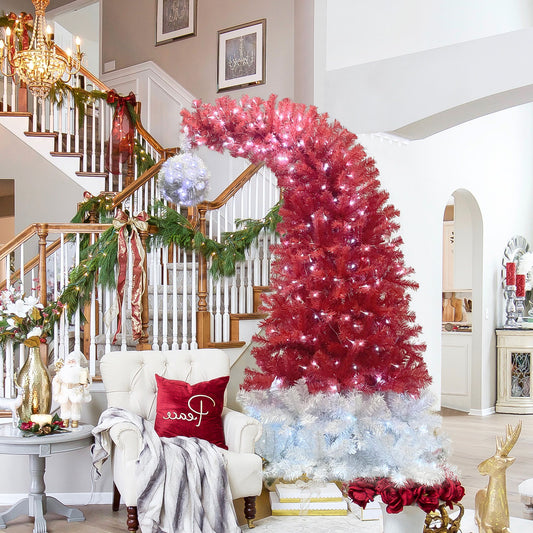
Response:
column 129, row 380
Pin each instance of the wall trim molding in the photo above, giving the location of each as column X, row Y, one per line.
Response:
column 482, row 412
column 154, row 72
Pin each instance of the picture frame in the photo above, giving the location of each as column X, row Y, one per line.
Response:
column 241, row 56
column 175, row 19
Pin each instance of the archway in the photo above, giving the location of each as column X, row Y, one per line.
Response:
column 462, row 301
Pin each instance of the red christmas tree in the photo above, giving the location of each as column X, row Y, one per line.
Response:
column 338, row 314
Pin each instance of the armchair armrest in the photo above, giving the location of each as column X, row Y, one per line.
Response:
column 127, row 438
column 240, row 431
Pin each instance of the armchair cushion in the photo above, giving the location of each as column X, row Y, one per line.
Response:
column 191, row 410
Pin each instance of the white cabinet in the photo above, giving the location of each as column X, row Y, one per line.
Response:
column 456, row 369
column 515, row 350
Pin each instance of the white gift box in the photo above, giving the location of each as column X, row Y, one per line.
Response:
column 371, row 512
column 308, row 492
column 321, row 508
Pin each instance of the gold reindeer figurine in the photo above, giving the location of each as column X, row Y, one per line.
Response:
column 492, row 510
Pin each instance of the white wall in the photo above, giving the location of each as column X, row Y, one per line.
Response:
column 490, row 157
column 360, row 31
column 42, row 192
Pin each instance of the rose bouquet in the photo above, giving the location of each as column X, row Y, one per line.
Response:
column 396, row 497
column 23, row 319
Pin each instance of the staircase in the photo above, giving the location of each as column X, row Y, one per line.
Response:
column 184, row 306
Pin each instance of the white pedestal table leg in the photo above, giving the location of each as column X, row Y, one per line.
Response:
column 37, row 504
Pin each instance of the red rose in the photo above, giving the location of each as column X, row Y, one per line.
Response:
column 451, row 491
column 361, row 492
column 459, row 492
column 428, row 498
column 392, row 497
column 408, row 493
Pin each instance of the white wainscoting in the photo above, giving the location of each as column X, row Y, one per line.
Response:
column 161, row 96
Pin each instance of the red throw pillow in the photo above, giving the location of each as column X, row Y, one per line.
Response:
column 191, row 410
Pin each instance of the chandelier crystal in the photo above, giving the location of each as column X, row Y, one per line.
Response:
column 41, row 65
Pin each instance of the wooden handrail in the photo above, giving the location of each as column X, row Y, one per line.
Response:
column 137, row 184
column 232, row 189
column 33, row 229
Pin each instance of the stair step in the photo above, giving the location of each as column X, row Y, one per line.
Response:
column 51, row 134
column 223, row 345
column 248, row 316
column 16, row 114
column 91, row 174
column 67, row 154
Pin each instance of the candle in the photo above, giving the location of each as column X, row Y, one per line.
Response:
column 41, row 419
column 510, row 273
column 520, row 285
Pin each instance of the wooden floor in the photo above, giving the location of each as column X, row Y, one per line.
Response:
column 472, row 438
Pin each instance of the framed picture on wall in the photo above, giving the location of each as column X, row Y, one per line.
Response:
column 241, row 56
column 175, row 19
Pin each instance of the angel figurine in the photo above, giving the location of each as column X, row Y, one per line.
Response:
column 70, row 387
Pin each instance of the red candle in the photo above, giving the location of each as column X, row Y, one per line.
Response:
column 520, row 285
column 510, row 273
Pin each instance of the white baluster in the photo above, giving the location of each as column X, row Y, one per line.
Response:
column 55, row 296
column 175, row 345
column 155, row 303
column 249, row 258
column 109, row 299
column 218, row 295
column 164, row 344
column 242, row 270
column 226, row 296
column 184, row 293
column 102, row 116
column 22, row 267
column 234, row 295
column 194, row 303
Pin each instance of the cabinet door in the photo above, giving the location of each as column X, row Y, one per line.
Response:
column 448, row 239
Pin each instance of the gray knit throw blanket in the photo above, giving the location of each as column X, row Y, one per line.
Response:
column 182, row 481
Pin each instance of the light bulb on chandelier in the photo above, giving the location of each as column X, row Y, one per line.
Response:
column 42, row 63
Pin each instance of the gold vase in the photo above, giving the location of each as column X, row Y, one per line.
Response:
column 35, row 382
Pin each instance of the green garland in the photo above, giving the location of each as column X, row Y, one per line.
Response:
column 174, row 228
column 81, row 97
column 100, row 258
column 102, row 204
column 144, row 160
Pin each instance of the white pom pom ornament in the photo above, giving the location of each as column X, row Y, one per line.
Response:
column 183, row 179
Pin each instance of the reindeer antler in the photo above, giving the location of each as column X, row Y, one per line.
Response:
column 503, row 447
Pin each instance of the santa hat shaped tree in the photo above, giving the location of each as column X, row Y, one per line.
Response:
column 341, row 385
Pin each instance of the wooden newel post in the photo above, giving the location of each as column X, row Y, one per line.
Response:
column 142, row 343
column 203, row 318
column 42, row 232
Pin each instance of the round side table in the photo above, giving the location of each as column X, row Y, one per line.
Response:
column 37, row 504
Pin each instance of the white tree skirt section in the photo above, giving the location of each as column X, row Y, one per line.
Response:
column 351, row 524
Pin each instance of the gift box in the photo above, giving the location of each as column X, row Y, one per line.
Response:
column 321, row 508
column 372, row 511
column 308, row 492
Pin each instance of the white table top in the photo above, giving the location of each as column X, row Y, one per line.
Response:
column 15, row 442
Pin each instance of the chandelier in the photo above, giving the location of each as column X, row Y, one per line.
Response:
column 41, row 65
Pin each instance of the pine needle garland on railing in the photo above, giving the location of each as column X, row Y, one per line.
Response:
column 174, row 228
column 144, row 160
column 81, row 97
column 102, row 205
column 100, row 258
